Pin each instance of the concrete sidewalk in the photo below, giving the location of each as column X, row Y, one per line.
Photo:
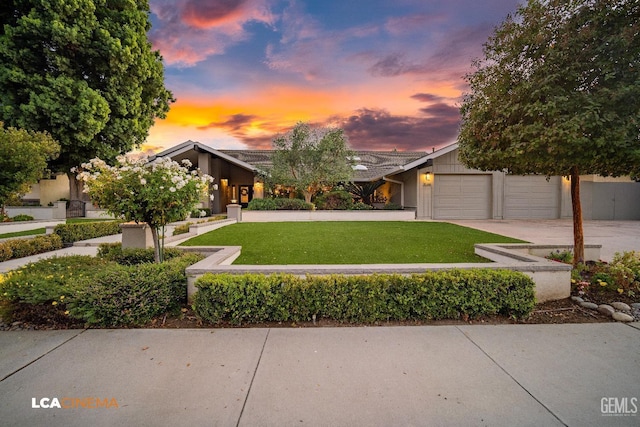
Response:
column 506, row 375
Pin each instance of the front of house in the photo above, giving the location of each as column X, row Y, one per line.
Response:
column 434, row 185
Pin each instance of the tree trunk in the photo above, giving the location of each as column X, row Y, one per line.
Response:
column 307, row 196
column 156, row 245
column 578, row 234
column 76, row 188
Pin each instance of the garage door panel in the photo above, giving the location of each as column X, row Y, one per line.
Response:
column 531, row 197
column 462, row 197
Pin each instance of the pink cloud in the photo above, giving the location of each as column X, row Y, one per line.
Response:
column 189, row 31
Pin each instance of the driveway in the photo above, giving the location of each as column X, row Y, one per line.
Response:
column 614, row 236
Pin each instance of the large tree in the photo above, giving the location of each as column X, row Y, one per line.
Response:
column 82, row 70
column 23, row 160
column 309, row 159
column 558, row 93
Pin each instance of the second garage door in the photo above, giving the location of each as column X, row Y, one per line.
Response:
column 462, row 197
column 531, row 196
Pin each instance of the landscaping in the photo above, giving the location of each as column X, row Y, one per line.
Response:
column 117, row 288
column 350, row 242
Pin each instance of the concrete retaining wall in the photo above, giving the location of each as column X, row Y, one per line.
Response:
column 57, row 211
column 552, row 279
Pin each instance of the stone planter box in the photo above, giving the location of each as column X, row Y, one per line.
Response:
column 57, row 211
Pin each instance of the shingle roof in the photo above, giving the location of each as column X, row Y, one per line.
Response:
column 377, row 163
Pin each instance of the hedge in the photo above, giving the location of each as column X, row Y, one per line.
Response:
column 18, row 248
column 279, row 204
column 450, row 294
column 71, row 233
column 132, row 295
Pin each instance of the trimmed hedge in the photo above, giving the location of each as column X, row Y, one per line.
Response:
column 19, row 248
column 279, row 204
column 450, row 294
column 132, row 295
column 71, row 233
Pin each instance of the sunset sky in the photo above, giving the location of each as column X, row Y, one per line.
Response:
column 390, row 73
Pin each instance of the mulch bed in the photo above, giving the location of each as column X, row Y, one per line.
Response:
column 29, row 317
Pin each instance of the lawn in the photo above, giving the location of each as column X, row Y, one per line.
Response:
column 350, row 242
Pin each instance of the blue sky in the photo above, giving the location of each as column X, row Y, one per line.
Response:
column 389, row 73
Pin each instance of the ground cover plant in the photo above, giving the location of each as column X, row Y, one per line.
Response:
column 350, row 242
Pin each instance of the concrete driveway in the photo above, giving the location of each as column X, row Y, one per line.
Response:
column 614, row 236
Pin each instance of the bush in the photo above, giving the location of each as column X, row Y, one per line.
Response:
column 279, row 204
column 621, row 276
column 47, row 281
column 132, row 295
column 392, row 207
column 133, row 256
column 22, row 217
column 359, row 206
column 71, row 233
column 433, row 295
column 337, row 200
column 182, row 229
column 18, row 248
column 197, row 213
column 565, row 257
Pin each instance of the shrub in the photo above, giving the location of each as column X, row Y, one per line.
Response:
column 181, row 229
column 433, row 295
column 198, row 213
column 392, row 207
column 71, row 233
column 132, row 295
column 132, row 256
column 18, row 248
column 565, row 257
column 48, row 280
column 279, row 204
column 359, row 206
column 22, row 217
column 338, row 200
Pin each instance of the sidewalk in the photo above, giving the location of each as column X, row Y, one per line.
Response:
column 506, row 375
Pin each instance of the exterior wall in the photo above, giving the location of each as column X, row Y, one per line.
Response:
column 49, row 190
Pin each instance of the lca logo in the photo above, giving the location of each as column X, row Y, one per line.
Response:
column 619, row 406
column 73, row 402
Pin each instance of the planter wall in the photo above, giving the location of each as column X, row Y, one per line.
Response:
column 281, row 216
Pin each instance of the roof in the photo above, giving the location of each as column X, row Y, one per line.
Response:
column 369, row 165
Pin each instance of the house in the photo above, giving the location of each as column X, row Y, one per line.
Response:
column 435, row 185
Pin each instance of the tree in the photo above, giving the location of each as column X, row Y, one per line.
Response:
column 23, row 160
column 82, row 70
column 309, row 159
column 156, row 193
column 558, row 93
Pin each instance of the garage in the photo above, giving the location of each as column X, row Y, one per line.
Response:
column 462, row 196
column 531, row 197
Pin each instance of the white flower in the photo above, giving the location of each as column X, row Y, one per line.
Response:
column 215, row 187
column 212, row 197
column 143, row 181
column 172, row 189
column 202, row 214
column 187, row 163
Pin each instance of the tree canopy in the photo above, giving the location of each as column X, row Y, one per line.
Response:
column 23, row 160
column 310, row 159
column 82, row 70
column 558, row 93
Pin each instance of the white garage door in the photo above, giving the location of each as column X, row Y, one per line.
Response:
column 531, row 197
column 462, row 197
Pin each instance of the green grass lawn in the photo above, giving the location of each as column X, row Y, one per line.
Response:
column 350, row 242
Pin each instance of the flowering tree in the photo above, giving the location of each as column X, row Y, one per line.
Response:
column 157, row 192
